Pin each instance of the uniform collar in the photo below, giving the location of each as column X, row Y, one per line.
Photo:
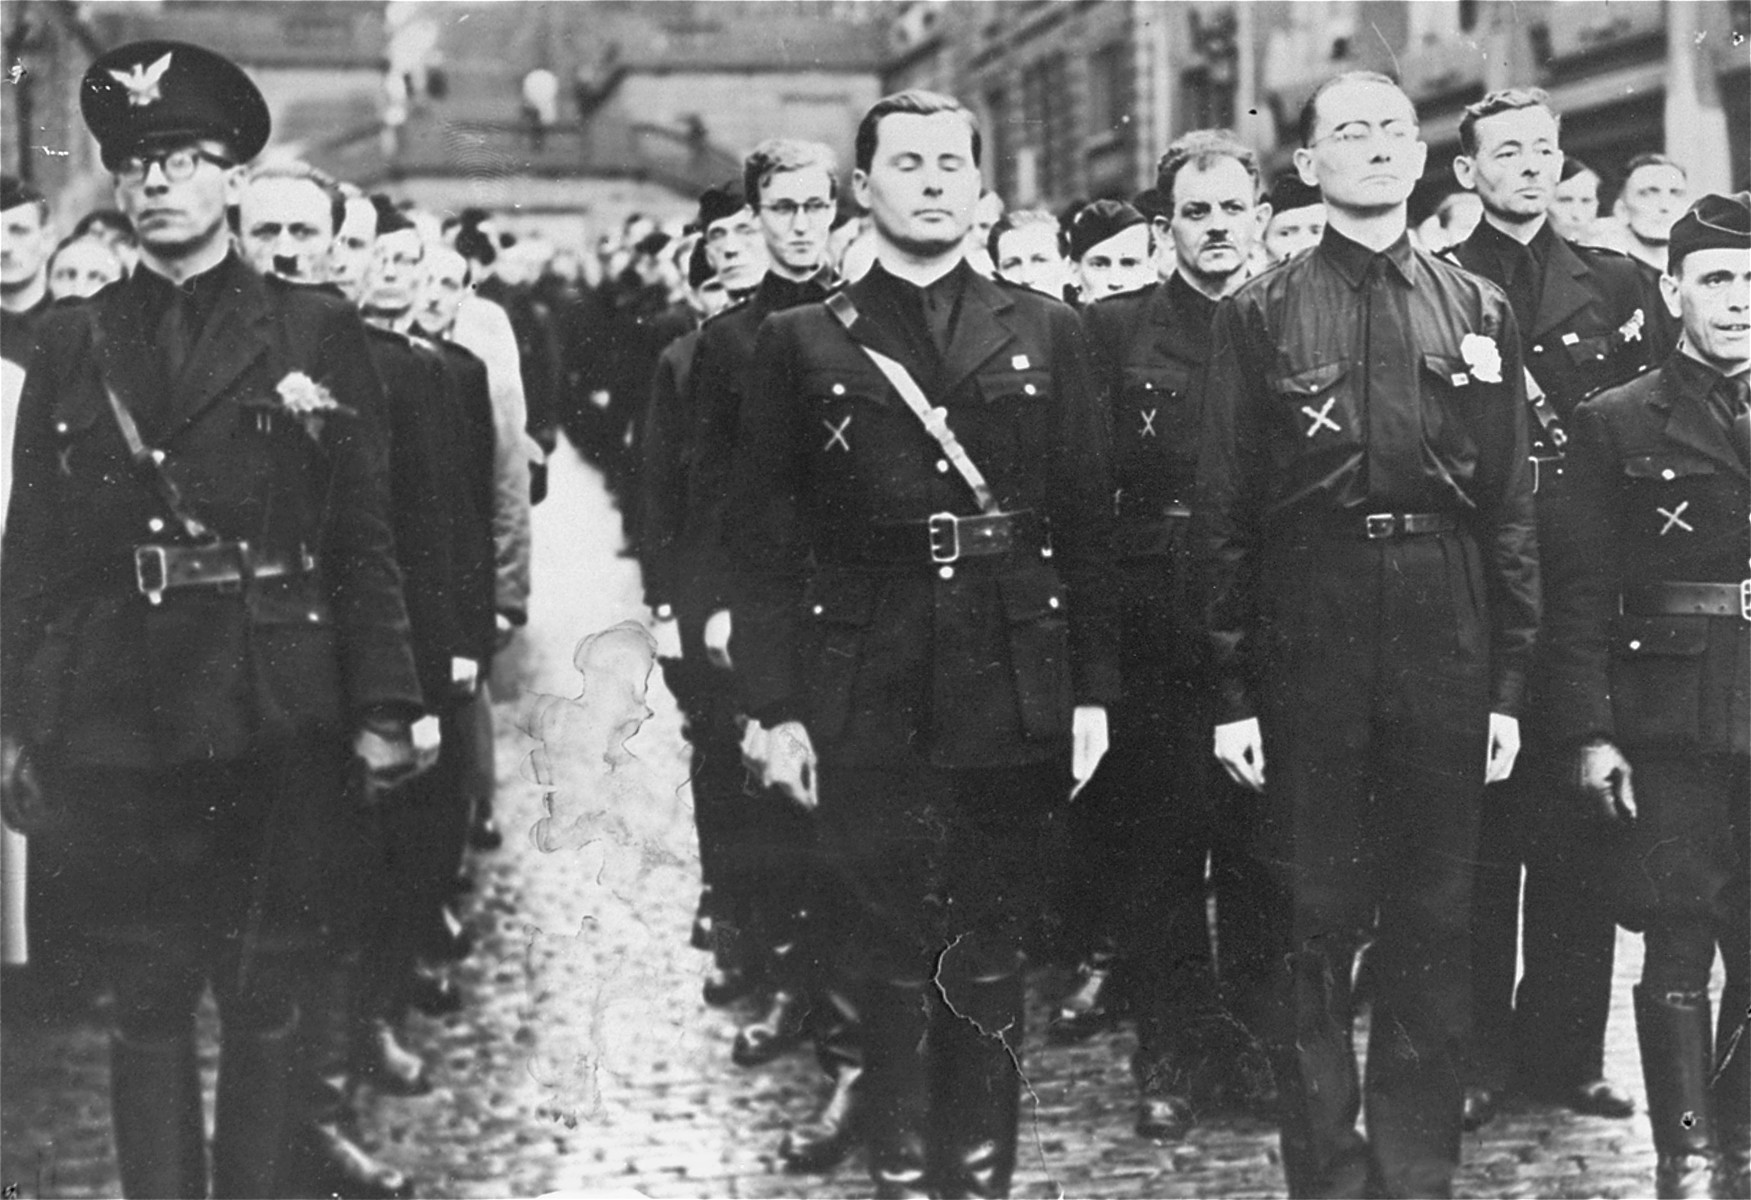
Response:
column 1352, row 259
column 777, row 291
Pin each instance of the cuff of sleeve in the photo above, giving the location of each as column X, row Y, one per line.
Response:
column 1508, row 692
column 1234, row 704
column 1098, row 684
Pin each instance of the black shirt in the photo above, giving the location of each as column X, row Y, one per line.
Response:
column 924, row 316
column 18, row 331
column 1518, row 267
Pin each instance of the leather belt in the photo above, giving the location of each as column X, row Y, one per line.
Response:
column 219, row 565
column 946, row 538
column 1689, row 600
column 1376, row 527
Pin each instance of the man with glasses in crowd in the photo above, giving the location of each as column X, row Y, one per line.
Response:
column 1364, row 508
column 200, row 604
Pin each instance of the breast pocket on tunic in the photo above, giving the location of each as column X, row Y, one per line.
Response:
column 1154, row 408
column 1670, row 506
column 1452, row 394
column 1315, row 412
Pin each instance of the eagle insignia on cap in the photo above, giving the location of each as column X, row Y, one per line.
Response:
column 143, row 82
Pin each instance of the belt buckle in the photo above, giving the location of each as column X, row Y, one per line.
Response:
column 1380, row 525
column 151, row 572
column 937, row 524
column 1745, row 599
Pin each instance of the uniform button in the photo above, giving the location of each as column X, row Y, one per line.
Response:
column 1031, row 390
column 946, row 572
column 1538, row 349
column 942, row 466
column 1635, row 645
column 315, row 617
column 60, row 427
column 155, row 525
column 1053, row 601
column 1668, row 473
column 819, row 610
column 839, row 389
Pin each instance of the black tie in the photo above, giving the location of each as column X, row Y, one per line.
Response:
column 1738, row 391
column 173, row 330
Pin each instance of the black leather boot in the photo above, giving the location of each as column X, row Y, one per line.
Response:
column 1731, row 1099
column 155, row 1103
column 1674, row 1031
column 822, row 1142
column 253, row 1115
column 897, row 1108
column 976, row 1040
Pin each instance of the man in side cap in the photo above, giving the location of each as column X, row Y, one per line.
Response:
column 1297, row 218
column 24, row 261
column 1655, row 681
column 202, row 625
column 1110, row 247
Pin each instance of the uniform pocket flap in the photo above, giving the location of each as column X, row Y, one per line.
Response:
column 1448, row 368
column 1312, row 381
column 1032, row 596
column 841, row 600
column 1665, row 466
column 1172, row 378
column 283, row 601
column 844, row 385
column 1004, row 383
column 1588, row 349
column 1659, row 637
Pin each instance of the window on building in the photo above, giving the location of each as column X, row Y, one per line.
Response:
column 999, row 145
column 1049, row 124
column 1109, row 89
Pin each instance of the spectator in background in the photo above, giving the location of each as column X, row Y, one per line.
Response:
column 986, row 214
column 24, row 257
column 1111, row 247
column 1027, row 248
column 1297, row 218
column 1575, row 210
column 1655, row 191
column 113, row 227
column 82, row 266
column 1455, row 217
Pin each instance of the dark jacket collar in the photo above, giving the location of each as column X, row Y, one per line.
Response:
column 1683, row 395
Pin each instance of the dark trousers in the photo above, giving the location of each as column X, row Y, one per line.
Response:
column 1374, row 721
column 1550, row 1032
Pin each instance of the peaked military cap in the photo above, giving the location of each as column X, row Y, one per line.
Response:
column 1714, row 222
column 155, row 92
column 1099, row 221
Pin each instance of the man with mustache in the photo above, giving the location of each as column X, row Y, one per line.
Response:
column 1159, row 807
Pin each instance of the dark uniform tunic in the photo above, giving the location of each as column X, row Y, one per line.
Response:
column 18, row 331
column 1160, row 805
column 1588, row 318
column 937, row 688
column 1365, row 505
column 197, row 747
column 1660, row 468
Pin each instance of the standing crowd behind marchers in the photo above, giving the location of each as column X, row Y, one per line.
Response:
column 967, row 534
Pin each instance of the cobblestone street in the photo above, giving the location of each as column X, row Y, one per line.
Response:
column 586, row 1064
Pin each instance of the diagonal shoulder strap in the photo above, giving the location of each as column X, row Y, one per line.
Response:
column 934, row 420
column 147, row 460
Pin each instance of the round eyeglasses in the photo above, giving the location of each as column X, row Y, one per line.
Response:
column 177, row 166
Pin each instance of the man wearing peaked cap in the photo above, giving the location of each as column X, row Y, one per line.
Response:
column 201, row 624
column 1654, row 676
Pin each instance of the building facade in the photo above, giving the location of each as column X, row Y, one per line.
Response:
column 1079, row 97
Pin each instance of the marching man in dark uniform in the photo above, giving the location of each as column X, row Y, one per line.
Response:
column 1159, row 807
column 1653, row 676
column 1365, row 505
column 200, row 608
column 920, row 511
column 1588, row 318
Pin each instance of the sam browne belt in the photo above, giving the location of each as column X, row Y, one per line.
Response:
column 219, row 565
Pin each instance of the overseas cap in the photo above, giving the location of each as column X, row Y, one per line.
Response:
column 1289, row 192
column 716, row 203
column 1714, row 222
column 1099, row 221
column 152, row 93
column 15, row 191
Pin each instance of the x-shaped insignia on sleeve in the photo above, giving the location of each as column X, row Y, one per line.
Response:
column 1675, row 519
column 836, row 434
column 1321, row 416
column 1148, row 429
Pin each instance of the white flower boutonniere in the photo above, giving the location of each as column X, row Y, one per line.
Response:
column 1631, row 330
column 310, row 402
column 1482, row 357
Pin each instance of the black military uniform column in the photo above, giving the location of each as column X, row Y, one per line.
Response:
column 1160, row 806
column 1366, row 511
column 1588, row 318
column 199, row 602
column 922, row 600
column 1653, row 661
